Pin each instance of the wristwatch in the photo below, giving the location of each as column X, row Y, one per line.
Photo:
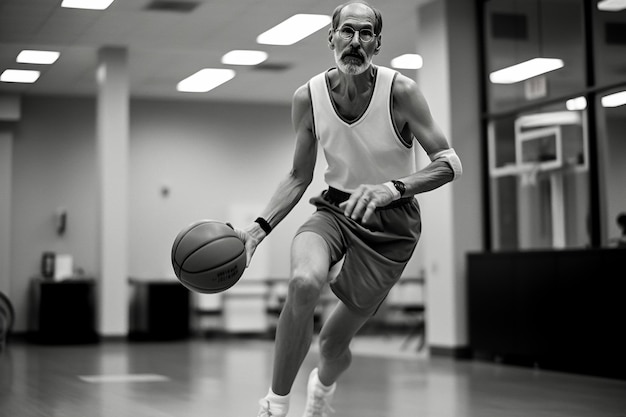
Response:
column 399, row 186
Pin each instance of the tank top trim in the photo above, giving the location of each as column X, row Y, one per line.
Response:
column 393, row 120
column 334, row 105
column 308, row 86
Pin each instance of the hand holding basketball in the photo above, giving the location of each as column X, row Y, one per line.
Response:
column 208, row 256
column 251, row 236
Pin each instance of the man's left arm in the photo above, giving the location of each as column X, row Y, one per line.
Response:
column 445, row 165
column 410, row 109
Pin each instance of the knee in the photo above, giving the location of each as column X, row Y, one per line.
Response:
column 304, row 290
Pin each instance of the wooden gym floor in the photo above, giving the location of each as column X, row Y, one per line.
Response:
column 226, row 377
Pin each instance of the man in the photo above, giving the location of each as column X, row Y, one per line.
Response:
column 367, row 119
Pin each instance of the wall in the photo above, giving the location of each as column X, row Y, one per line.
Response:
column 212, row 160
column 53, row 166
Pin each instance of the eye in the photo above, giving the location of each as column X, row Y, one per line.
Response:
column 346, row 32
column 366, row 35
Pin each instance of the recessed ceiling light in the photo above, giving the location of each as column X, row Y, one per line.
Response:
column 578, row 103
column 614, row 100
column 205, row 80
column 87, row 4
column 242, row 57
column 407, row 61
column 611, row 5
column 525, row 70
column 294, row 29
column 37, row 57
column 19, row 76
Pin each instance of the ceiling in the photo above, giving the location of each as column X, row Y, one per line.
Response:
column 166, row 46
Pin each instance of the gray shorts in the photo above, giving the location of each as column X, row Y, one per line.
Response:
column 375, row 254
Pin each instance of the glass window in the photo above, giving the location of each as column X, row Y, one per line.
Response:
column 611, row 120
column 538, row 132
column 609, row 45
column 520, row 31
column 539, row 179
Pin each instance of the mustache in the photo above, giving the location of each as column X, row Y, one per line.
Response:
column 353, row 53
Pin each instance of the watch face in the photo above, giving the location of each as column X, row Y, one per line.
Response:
column 399, row 186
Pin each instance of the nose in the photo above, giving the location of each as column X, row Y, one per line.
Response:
column 356, row 39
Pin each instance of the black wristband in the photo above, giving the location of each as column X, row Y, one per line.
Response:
column 264, row 225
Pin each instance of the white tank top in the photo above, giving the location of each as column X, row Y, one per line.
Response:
column 368, row 150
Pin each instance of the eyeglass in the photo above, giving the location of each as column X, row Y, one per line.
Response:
column 347, row 33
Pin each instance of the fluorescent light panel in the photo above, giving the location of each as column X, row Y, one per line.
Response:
column 87, row 4
column 614, row 100
column 407, row 61
column 294, row 29
column 577, row 103
column 525, row 70
column 19, row 76
column 243, row 57
column 205, row 80
column 611, row 5
column 28, row 56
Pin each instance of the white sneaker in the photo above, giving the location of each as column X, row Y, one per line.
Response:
column 265, row 411
column 318, row 399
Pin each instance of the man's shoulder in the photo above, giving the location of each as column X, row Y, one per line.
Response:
column 302, row 95
column 301, row 105
column 403, row 85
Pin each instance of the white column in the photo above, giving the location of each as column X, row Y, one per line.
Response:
column 6, row 179
column 112, row 124
column 436, row 205
column 452, row 214
column 9, row 112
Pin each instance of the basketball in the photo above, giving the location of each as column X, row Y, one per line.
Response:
column 208, row 257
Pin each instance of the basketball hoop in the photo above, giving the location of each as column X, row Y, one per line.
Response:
column 528, row 175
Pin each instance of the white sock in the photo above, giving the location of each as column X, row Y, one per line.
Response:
column 279, row 404
column 318, row 383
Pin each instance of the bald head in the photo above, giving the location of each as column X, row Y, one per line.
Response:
column 378, row 18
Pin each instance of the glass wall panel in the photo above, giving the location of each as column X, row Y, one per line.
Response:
column 609, row 44
column 539, row 179
column 517, row 31
column 611, row 116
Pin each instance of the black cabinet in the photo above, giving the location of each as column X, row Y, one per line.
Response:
column 63, row 312
column 561, row 310
column 159, row 310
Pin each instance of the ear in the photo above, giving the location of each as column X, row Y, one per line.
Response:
column 331, row 32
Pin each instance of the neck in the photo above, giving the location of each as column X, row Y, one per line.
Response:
column 355, row 84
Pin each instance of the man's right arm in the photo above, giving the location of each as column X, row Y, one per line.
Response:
column 295, row 183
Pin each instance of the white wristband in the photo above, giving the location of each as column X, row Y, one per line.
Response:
column 392, row 188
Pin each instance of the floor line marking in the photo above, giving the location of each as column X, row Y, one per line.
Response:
column 123, row 378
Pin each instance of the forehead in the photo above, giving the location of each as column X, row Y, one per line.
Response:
column 357, row 14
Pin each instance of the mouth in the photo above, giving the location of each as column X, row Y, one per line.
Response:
column 353, row 56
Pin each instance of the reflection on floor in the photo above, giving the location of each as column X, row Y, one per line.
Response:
column 226, row 377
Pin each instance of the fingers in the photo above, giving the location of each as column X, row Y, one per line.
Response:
column 369, row 210
column 364, row 201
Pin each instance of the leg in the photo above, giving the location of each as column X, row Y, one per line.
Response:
column 335, row 338
column 309, row 270
column 335, row 358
